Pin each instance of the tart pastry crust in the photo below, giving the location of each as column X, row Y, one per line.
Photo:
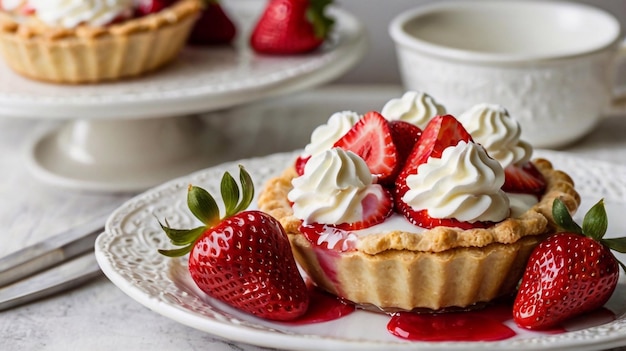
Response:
column 94, row 54
column 437, row 269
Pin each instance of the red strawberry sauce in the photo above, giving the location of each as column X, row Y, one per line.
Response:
column 492, row 323
column 483, row 325
column 323, row 307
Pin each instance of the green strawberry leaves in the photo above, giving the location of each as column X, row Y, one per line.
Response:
column 204, row 207
column 322, row 24
column 563, row 218
column 595, row 222
column 595, row 225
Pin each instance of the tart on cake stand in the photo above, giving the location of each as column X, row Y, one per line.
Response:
column 133, row 134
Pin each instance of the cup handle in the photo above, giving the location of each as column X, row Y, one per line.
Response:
column 618, row 103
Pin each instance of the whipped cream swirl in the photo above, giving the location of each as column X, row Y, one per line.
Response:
column 332, row 188
column 326, row 135
column 71, row 13
column 463, row 184
column 414, row 107
column 491, row 126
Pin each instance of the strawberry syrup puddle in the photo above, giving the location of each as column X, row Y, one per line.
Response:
column 492, row 323
column 484, row 325
column 323, row 307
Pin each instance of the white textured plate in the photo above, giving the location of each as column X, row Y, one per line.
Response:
column 201, row 79
column 127, row 254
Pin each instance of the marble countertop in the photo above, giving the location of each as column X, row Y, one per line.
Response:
column 99, row 316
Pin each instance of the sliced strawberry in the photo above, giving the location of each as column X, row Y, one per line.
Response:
column 370, row 138
column 375, row 211
column 441, row 132
column 300, row 163
column 146, row 7
column 525, row 179
column 422, row 219
column 405, row 135
column 329, row 237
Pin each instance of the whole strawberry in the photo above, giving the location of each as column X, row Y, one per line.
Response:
column 244, row 258
column 291, row 27
column 214, row 27
column 570, row 273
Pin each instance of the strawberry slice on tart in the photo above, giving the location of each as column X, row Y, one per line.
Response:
column 337, row 192
column 371, row 139
column 441, row 133
column 340, row 236
column 147, row 7
column 300, row 163
column 405, row 135
column 524, row 179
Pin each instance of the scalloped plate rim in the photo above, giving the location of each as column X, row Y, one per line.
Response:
column 297, row 341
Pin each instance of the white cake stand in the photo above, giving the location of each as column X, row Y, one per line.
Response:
column 134, row 134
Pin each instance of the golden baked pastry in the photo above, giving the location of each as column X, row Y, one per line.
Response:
column 437, row 269
column 86, row 54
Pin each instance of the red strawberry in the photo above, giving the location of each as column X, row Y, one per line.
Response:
column 570, row 273
column 370, row 138
column 422, row 219
column 375, row 211
column 146, row 7
column 244, row 258
column 213, row 27
column 291, row 27
column 329, row 237
column 405, row 135
column 524, row 179
column 440, row 133
column 300, row 163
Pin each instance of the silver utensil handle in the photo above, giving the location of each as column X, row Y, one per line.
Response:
column 56, row 279
column 50, row 252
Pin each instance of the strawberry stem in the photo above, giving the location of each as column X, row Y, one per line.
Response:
column 595, row 222
column 594, row 226
column 617, row 244
column 247, row 188
column 322, row 24
column 563, row 218
column 230, row 194
column 204, row 207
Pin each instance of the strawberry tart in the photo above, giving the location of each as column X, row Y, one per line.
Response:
column 71, row 41
column 411, row 209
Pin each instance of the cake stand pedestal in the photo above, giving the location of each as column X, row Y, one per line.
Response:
column 131, row 135
column 122, row 155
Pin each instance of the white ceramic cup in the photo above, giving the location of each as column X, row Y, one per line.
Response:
column 552, row 65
